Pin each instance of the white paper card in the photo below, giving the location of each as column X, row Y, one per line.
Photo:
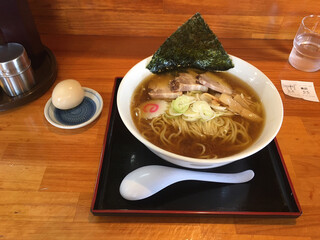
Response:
column 300, row 89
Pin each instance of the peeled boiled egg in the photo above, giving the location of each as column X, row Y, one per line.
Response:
column 67, row 94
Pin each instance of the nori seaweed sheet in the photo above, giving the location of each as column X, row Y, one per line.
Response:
column 193, row 45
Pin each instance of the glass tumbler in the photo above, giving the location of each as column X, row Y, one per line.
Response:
column 305, row 54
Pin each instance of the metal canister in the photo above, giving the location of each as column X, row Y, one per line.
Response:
column 16, row 75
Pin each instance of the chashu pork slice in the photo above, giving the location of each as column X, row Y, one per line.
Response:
column 214, row 82
column 186, row 82
column 160, row 89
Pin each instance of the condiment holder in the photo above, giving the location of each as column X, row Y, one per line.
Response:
column 16, row 75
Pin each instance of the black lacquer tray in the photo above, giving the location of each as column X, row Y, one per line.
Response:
column 269, row 193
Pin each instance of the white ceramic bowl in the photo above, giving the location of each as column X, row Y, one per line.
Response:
column 254, row 77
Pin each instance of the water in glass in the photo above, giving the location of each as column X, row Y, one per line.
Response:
column 305, row 54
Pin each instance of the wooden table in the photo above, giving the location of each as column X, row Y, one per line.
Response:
column 47, row 175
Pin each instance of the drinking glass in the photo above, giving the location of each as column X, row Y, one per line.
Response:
column 305, row 54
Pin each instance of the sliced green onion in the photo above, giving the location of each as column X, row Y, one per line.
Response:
column 204, row 109
column 190, row 115
column 182, row 103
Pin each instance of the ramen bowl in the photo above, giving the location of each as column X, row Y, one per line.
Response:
column 262, row 85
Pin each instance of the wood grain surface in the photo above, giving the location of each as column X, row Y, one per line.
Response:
column 47, row 175
column 277, row 19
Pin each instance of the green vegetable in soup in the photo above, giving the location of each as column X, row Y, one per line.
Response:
column 182, row 103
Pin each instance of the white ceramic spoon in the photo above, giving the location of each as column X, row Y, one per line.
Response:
column 146, row 181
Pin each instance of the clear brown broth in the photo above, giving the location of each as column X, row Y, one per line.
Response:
column 221, row 150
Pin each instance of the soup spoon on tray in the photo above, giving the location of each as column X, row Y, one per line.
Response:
column 146, row 181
